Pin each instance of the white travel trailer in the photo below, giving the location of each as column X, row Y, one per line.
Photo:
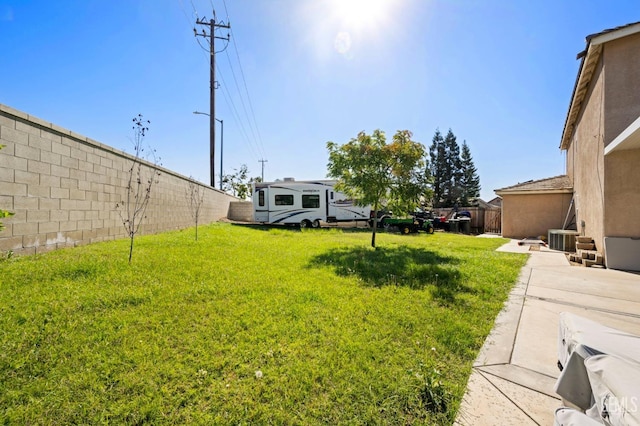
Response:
column 304, row 203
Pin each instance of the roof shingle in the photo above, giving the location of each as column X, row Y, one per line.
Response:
column 560, row 183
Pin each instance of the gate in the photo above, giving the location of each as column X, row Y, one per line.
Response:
column 493, row 221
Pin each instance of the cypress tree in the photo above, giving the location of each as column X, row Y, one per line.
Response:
column 454, row 176
column 437, row 155
column 452, row 173
column 470, row 183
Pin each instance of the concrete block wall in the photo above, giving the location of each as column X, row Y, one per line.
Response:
column 241, row 211
column 64, row 187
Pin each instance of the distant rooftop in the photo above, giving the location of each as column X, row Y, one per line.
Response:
column 553, row 184
column 497, row 201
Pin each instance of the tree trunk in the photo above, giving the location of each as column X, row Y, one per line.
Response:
column 375, row 226
column 130, row 248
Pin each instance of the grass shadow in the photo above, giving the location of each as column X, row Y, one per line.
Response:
column 411, row 267
column 259, row 226
column 295, row 228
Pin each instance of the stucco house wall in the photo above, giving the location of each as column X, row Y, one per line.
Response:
column 607, row 187
column 622, row 108
column 532, row 208
column 622, row 71
column 585, row 161
column 532, row 215
column 622, row 189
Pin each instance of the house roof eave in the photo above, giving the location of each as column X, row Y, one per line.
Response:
column 629, row 138
column 555, row 184
column 502, row 193
column 583, row 80
column 590, row 57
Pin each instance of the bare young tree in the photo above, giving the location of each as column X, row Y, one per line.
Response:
column 195, row 198
column 139, row 184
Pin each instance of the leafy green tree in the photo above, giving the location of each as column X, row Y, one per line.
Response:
column 4, row 213
column 375, row 173
column 253, row 180
column 239, row 183
column 234, row 183
column 470, row 182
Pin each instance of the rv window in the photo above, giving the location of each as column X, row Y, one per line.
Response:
column 261, row 198
column 311, row 201
column 284, row 200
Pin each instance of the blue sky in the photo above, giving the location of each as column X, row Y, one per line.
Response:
column 299, row 73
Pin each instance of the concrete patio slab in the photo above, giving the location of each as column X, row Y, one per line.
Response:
column 537, row 406
column 528, row 378
column 485, row 404
column 514, row 374
column 585, row 301
column 536, row 345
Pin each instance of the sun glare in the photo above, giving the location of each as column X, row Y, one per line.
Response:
column 361, row 13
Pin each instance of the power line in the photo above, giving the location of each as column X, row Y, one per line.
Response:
column 244, row 107
column 237, row 116
column 235, row 46
column 195, row 11
column 224, row 2
column 246, row 89
column 184, row 12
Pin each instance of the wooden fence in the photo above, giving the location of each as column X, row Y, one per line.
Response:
column 482, row 220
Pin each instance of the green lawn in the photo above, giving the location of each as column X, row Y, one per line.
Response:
column 248, row 325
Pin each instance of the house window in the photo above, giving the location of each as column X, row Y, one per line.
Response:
column 261, row 198
column 311, row 201
column 284, row 200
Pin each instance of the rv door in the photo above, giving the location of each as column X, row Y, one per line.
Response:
column 261, row 205
column 331, row 209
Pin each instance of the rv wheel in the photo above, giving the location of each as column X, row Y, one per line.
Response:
column 305, row 224
column 315, row 224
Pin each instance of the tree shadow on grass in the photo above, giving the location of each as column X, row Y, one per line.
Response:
column 296, row 228
column 256, row 226
column 410, row 267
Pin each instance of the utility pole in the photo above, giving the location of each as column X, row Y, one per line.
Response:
column 221, row 147
column 263, row 161
column 212, row 24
